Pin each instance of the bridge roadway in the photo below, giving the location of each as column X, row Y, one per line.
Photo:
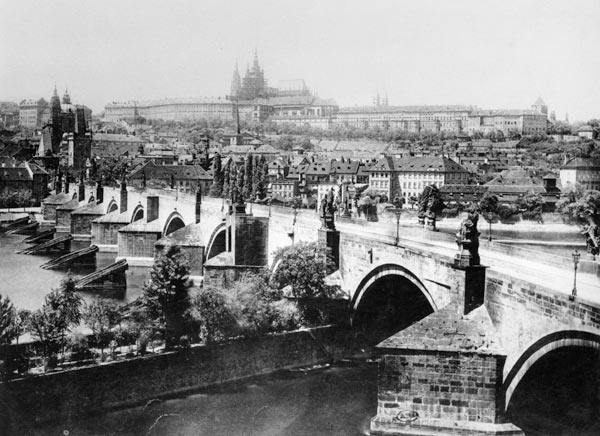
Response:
column 522, row 264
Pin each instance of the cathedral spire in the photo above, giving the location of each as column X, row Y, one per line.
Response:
column 256, row 65
column 236, row 82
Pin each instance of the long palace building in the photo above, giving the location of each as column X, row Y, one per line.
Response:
column 292, row 102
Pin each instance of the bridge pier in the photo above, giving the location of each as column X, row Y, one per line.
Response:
column 444, row 374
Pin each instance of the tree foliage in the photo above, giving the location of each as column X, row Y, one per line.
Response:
column 304, row 267
column 584, row 206
column 8, row 321
column 101, row 316
column 49, row 324
column 166, row 295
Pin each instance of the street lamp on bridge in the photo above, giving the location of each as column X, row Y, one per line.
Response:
column 576, row 255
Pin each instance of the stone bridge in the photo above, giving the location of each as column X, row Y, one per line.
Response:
column 459, row 340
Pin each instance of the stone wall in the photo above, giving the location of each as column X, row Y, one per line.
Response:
column 523, row 313
column 137, row 244
column 440, row 386
column 106, row 233
column 251, row 239
column 362, row 254
column 76, row 392
column 222, row 276
column 81, row 224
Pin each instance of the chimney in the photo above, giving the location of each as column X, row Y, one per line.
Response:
column 151, row 208
column 198, row 203
column 99, row 191
column 123, row 200
column 81, row 194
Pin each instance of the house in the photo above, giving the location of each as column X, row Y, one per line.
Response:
column 185, row 178
column 406, row 177
column 24, row 181
column 584, row 171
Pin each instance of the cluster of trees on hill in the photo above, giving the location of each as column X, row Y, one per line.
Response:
column 247, row 180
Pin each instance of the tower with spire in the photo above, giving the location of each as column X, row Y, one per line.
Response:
column 236, row 83
column 253, row 84
column 66, row 97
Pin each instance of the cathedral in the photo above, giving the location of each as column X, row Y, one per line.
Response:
column 253, row 85
column 67, row 131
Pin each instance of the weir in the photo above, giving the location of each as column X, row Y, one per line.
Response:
column 42, row 236
column 113, row 272
column 13, row 224
column 64, row 240
column 75, row 257
column 26, row 229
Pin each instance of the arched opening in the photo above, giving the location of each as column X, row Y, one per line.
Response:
column 388, row 300
column 217, row 244
column 175, row 222
column 559, row 393
column 112, row 206
column 138, row 214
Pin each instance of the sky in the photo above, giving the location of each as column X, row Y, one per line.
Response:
column 490, row 54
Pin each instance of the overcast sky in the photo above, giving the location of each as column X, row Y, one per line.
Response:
column 492, row 54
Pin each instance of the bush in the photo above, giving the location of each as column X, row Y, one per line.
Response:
column 213, row 316
column 80, row 349
column 285, row 316
column 532, row 215
column 450, row 212
column 507, row 213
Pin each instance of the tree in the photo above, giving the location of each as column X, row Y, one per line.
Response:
column 8, row 321
column 166, row 294
column 216, row 189
column 226, row 191
column 240, row 178
column 488, row 206
column 209, row 309
column 585, row 208
column 101, row 316
column 248, row 190
column 50, row 324
column 531, row 205
column 304, row 267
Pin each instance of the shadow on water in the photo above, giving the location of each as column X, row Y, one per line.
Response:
column 327, row 401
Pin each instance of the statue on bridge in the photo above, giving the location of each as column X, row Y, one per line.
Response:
column 328, row 211
column 467, row 239
column 592, row 239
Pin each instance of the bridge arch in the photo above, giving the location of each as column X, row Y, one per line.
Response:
column 112, row 206
column 174, row 222
column 542, row 347
column 138, row 213
column 217, row 242
column 388, row 299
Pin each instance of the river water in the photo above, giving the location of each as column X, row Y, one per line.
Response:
column 22, row 279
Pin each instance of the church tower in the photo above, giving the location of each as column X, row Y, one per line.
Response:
column 66, row 98
column 540, row 107
column 236, row 83
column 55, row 121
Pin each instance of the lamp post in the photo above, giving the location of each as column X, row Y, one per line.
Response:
column 575, row 256
column 397, row 211
column 490, row 216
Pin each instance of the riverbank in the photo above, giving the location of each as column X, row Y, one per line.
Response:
column 75, row 393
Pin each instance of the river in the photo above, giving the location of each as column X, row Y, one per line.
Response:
column 22, row 279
